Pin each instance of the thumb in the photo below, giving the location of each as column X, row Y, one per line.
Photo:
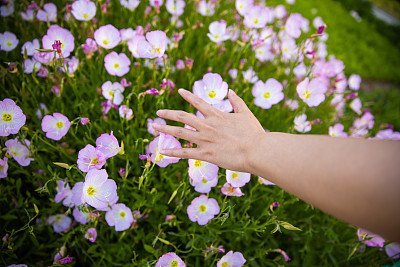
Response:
column 237, row 103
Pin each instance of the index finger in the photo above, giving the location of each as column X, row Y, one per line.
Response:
column 201, row 105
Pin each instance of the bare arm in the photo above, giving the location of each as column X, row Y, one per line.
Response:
column 354, row 179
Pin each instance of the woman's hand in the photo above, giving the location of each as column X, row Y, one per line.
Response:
column 224, row 139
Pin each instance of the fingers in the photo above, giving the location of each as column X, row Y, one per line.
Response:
column 180, row 116
column 197, row 102
column 184, row 153
column 180, row 132
column 236, row 102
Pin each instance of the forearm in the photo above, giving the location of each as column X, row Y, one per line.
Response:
column 353, row 179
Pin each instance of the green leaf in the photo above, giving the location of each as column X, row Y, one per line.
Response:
column 288, row 226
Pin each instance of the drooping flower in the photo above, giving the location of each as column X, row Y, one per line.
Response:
column 55, row 126
column 211, row 88
column 218, row 32
column 150, row 122
column 108, row 145
column 60, row 222
column 98, row 191
column 90, row 158
column 19, row 151
column 83, row 10
column 393, row 250
column 337, row 130
column 56, row 33
column 11, row 117
column 202, row 209
column 354, row 82
column 64, row 193
column 81, row 216
column 91, row 234
column 199, row 170
column 204, row 186
column 117, row 64
column 170, row 259
column 48, row 14
column 30, row 47
column 231, row 259
column 119, row 216
column 163, row 141
column 237, row 179
column 154, row 46
column 175, row 7
column 3, row 167
column 370, row 239
column 113, row 92
column 229, row 190
column 8, row 41
column 107, row 36
column 301, row 124
column 313, row 93
column 268, row 93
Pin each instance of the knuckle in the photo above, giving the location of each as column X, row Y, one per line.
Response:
column 179, row 132
column 181, row 115
column 185, row 154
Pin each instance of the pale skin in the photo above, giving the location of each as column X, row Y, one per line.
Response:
column 356, row 180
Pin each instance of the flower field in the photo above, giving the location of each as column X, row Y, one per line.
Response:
column 83, row 180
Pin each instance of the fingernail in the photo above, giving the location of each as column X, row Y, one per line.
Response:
column 231, row 92
column 160, row 112
column 181, row 91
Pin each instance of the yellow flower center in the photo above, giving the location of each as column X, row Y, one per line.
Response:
column 105, row 42
column 225, row 264
column 94, row 161
column 212, row 94
column 122, row 214
column 14, row 152
column 58, row 217
column 267, row 94
column 111, row 93
column 235, row 175
column 197, row 163
column 9, row 43
column 59, row 124
column 85, row 16
column 307, row 94
column 1, row 167
column 174, row 263
column 204, row 181
column 158, row 156
column 202, row 208
column 174, row 9
column 255, row 21
column 62, row 45
column 158, row 50
column 216, row 36
column 91, row 191
column 230, row 189
column 6, row 117
column 241, row 7
column 116, row 65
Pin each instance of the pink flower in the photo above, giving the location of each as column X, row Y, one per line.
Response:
column 313, row 93
column 163, row 141
column 76, row 191
column 293, row 25
column 370, row 239
column 98, row 191
column 55, row 126
column 71, row 64
column 150, row 122
column 366, row 121
column 133, row 44
column 218, row 31
column 125, row 112
column 264, row 181
column 30, row 47
column 89, row 47
column 237, row 179
column 130, row 4
column 231, row 259
column 3, row 167
column 119, row 216
column 48, row 14
column 117, row 64
column 224, row 106
column 170, row 259
column 42, row 57
column 90, row 158
column 20, row 152
column 199, row 170
column 31, row 65
column 11, row 117
column 91, row 234
column 84, row 121
column 393, row 250
column 356, row 105
column 257, row 17
column 59, row 222
column 154, row 46
column 229, row 190
column 113, row 92
column 202, row 209
column 268, row 93
column 108, row 145
column 243, row 6
column 388, row 134
column 250, row 75
column 280, row 11
column 301, row 124
column 56, row 33
column 203, row 185
column 211, row 88
column 206, row 8
column 64, row 193
column 81, row 216
column 337, row 130
column 354, row 82
column 83, row 10
column 8, row 41
column 175, row 7
column 107, row 36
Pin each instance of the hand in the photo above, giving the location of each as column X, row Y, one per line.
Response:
column 224, row 139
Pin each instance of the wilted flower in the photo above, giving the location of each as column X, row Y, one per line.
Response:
column 19, row 151
column 91, row 235
column 98, row 191
column 60, row 222
column 107, row 36
column 268, row 93
column 211, row 88
column 117, row 64
column 48, row 14
column 370, row 239
column 85, row 121
column 108, row 145
column 231, row 259
column 56, row 33
column 202, row 209
column 119, row 216
column 170, row 259
column 3, row 167
column 55, row 126
column 11, row 117
column 83, row 10
column 8, row 41
column 237, row 179
column 89, row 47
column 90, row 158
column 301, row 124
